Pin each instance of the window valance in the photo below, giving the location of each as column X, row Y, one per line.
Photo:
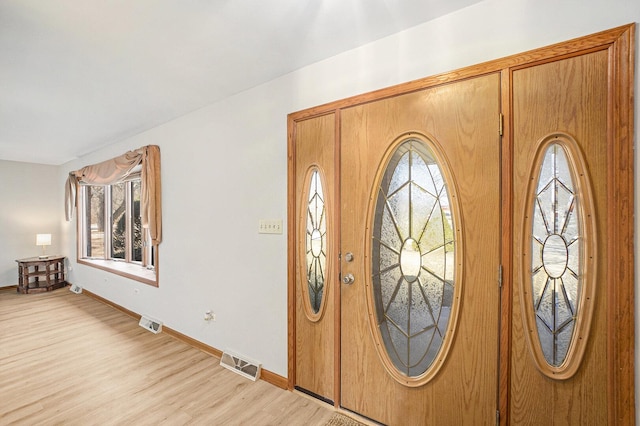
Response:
column 116, row 170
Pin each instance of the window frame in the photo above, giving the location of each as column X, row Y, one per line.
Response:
column 144, row 271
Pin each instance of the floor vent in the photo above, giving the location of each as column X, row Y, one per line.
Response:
column 241, row 365
column 75, row 289
column 150, row 324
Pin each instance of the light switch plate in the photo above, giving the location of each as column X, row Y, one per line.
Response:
column 270, row 226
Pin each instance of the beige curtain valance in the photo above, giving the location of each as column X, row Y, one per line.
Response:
column 117, row 170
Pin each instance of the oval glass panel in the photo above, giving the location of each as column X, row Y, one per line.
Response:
column 555, row 262
column 413, row 256
column 316, row 241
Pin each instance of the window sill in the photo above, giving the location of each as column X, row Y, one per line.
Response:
column 127, row 270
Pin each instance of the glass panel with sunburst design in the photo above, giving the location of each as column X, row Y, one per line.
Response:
column 555, row 262
column 316, row 242
column 413, row 258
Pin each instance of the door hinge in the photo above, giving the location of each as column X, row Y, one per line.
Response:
column 500, row 124
column 497, row 417
column 500, row 276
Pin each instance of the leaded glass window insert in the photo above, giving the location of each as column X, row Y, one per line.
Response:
column 556, row 256
column 413, row 258
column 316, row 242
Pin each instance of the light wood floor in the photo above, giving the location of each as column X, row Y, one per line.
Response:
column 70, row 359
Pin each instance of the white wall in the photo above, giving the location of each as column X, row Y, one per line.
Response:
column 225, row 166
column 30, row 204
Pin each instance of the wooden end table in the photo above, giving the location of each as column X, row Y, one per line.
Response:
column 37, row 274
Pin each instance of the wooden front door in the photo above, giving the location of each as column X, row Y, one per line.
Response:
column 420, row 255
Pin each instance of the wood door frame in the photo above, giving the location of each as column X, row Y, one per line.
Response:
column 619, row 42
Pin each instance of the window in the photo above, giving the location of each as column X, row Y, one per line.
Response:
column 120, row 213
column 111, row 224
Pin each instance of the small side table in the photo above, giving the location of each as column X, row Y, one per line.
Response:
column 37, row 275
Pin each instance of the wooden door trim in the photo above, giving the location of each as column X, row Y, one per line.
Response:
column 338, row 290
column 619, row 42
column 292, row 226
column 506, row 247
column 621, row 212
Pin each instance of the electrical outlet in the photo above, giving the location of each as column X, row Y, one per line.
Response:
column 270, row 226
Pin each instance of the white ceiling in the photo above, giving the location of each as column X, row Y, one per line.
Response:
column 77, row 75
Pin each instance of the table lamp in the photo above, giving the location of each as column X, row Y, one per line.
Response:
column 43, row 240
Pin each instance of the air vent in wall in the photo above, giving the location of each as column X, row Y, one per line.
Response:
column 75, row 289
column 241, row 365
column 150, row 324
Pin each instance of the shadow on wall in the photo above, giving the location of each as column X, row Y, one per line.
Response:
column 9, row 277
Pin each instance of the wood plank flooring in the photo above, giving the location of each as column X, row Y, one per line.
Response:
column 68, row 359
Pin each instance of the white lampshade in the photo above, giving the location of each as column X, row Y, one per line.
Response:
column 43, row 239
